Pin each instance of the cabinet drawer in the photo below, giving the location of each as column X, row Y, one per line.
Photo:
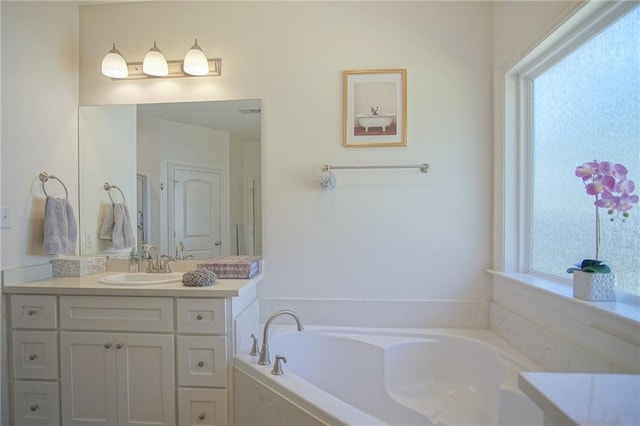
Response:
column 202, row 361
column 36, row 403
column 204, row 316
column 33, row 312
column 202, row 407
column 116, row 313
column 35, row 354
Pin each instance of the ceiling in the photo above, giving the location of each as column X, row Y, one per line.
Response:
column 239, row 117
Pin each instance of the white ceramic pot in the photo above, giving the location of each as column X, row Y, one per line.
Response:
column 595, row 287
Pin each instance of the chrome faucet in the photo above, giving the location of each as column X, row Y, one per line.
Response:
column 153, row 265
column 264, row 353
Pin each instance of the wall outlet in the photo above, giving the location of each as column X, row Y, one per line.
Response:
column 5, row 217
column 89, row 238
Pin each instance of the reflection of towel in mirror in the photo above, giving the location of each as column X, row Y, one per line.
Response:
column 116, row 226
column 106, row 230
column 122, row 230
column 60, row 230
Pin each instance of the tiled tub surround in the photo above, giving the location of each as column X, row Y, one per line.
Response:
column 564, row 334
column 338, row 375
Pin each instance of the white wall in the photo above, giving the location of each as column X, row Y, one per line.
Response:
column 380, row 234
column 39, row 119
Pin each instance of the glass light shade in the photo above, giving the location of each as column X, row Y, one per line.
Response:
column 154, row 63
column 114, row 65
column 195, row 61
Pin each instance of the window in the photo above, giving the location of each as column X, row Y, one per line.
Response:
column 580, row 101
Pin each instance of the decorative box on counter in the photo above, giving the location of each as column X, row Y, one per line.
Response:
column 78, row 266
column 242, row 267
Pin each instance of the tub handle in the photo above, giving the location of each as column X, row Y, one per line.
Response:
column 202, row 416
column 254, row 346
column 277, row 366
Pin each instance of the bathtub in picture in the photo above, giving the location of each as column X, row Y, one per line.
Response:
column 382, row 120
column 357, row 376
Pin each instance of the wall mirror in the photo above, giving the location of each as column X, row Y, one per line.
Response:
column 189, row 174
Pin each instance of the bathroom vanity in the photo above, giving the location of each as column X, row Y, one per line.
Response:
column 82, row 352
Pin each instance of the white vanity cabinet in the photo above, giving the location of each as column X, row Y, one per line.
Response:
column 82, row 353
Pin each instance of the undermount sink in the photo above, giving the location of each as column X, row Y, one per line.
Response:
column 140, row 278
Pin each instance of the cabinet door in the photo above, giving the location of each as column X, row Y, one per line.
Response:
column 146, row 385
column 88, row 378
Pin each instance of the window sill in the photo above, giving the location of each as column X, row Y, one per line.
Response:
column 620, row 310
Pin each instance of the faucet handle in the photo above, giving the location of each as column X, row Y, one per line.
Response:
column 254, row 346
column 277, row 367
column 164, row 263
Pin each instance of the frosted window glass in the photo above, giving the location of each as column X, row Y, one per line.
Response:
column 584, row 108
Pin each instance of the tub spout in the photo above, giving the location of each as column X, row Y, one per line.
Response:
column 264, row 353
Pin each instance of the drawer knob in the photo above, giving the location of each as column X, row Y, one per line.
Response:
column 107, row 345
column 31, row 312
column 199, row 317
column 34, row 407
column 200, row 364
column 119, row 345
column 202, row 416
column 33, row 356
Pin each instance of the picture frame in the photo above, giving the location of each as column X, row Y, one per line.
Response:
column 375, row 108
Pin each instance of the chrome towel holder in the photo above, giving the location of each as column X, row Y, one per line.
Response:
column 44, row 177
column 328, row 179
column 108, row 187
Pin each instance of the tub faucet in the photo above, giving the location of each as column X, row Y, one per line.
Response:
column 264, row 353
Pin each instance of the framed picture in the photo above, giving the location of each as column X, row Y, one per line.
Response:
column 375, row 108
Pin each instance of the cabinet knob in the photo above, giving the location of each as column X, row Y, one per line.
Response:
column 31, row 312
column 34, row 407
column 202, row 416
column 33, row 356
column 107, row 345
column 200, row 364
column 199, row 317
column 119, row 345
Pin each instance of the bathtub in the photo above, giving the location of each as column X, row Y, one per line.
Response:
column 357, row 376
column 382, row 120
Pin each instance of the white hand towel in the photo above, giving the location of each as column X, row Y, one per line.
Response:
column 122, row 231
column 106, row 230
column 60, row 229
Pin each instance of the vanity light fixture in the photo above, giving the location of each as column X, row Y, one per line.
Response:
column 114, row 65
column 195, row 62
column 154, row 65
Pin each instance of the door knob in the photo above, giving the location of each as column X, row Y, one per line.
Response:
column 218, row 243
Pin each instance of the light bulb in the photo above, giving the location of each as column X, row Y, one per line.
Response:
column 195, row 61
column 114, row 65
column 154, row 63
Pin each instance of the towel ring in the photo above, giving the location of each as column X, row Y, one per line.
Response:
column 108, row 187
column 44, row 177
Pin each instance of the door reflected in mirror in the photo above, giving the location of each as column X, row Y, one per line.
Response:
column 193, row 170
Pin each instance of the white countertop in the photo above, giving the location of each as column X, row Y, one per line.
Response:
column 585, row 399
column 89, row 285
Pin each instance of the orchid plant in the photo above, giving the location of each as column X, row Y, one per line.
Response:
column 608, row 183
